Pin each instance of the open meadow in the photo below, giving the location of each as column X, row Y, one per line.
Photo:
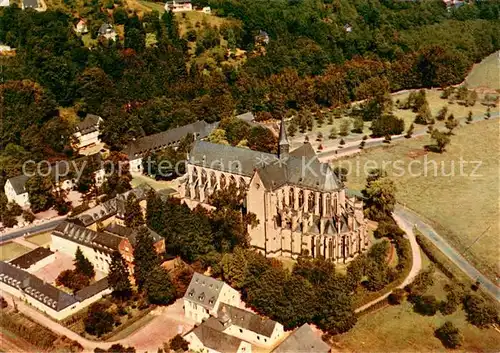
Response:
column 462, row 205
column 486, row 73
column 399, row 329
column 41, row 239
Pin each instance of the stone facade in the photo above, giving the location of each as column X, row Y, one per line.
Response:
column 302, row 207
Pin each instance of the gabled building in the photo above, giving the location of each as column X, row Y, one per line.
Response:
column 33, row 260
column 303, row 340
column 111, row 211
column 81, row 27
column 140, row 147
column 64, row 176
column 87, row 131
column 178, row 6
column 45, row 297
column 97, row 246
column 205, row 295
column 107, row 31
column 15, row 190
column 29, row 4
column 246, row 326
column 206, row 339
column 301, row 205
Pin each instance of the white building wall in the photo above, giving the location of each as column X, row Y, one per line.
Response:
column 253, row 337
column 136, row 165
column 21, row 199
column 87, row 139
column 42, row 263
column 99, row 259
column 58, row 315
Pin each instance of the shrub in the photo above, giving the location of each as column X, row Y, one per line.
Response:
column 453, row 299
column 449, row 335
column 422, row 281
column 397, row 296
column 387, row 228
column 387, row 125
column 28, row 216
column 479, row 312
column 98, row 321
column 426, row 305
column 72, row 280
column 178, row 343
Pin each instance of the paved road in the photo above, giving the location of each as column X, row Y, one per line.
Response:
column 16, row 233
column 413, row 218
column 416, row 260
column 353, row 146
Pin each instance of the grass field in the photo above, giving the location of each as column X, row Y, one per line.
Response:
column 460, row 207
column 41, row 239
column 11, row 250
column 400, row 329
column 486, row 73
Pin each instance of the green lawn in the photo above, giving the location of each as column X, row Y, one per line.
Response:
column 41, row 239
column 11, row 250
column 460, row 207
column 400, row 329
column 486, row 73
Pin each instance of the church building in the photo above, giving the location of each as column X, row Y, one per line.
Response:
column 301, row 205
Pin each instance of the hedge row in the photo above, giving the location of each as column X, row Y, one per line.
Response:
column 32, row 332
column 449, row 269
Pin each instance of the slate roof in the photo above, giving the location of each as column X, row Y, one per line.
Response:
column 35, row 287
column 204, row 290
column 248, row 320
column 306, row 150
column 112, row 207
column 30, row 3
column 226, row 158
column 104, row 242
column 29, row 259
column 92, row 290
column 167, row 138
column 89, row 124
column 130, row 233
column 104, row 28
column 303, row 340
column 18, row 183
column 299, row 168
column 248, row 117
column 216, row 340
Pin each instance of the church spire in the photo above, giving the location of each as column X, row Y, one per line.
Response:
column 284, row 144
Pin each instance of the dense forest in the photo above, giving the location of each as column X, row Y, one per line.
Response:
column 320, row 54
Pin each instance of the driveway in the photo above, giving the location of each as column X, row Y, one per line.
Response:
column 416, row 265
column 411, row 217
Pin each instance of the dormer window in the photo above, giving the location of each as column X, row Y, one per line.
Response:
column 201, row 297
column 191, row 293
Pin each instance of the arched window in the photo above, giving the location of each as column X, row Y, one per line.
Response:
column 222, row 181
column 203, row 177
column 291, row 196
column 311, row 202
column 195, row 174
column 321, row 204
column 334, row 207
column 242, row 183
column 232, row 180
column 301, row 198
column 328, row 205
column 213, row 180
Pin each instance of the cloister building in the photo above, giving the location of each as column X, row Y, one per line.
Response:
column 301, row 205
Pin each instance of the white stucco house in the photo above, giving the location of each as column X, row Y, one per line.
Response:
column 16, row 192
column 81, row 27
column 179, row 6
column 87, row 131
column 206, row 339
column 205, row 295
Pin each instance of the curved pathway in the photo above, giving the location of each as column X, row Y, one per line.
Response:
column 411, row 217
column 416, row 265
